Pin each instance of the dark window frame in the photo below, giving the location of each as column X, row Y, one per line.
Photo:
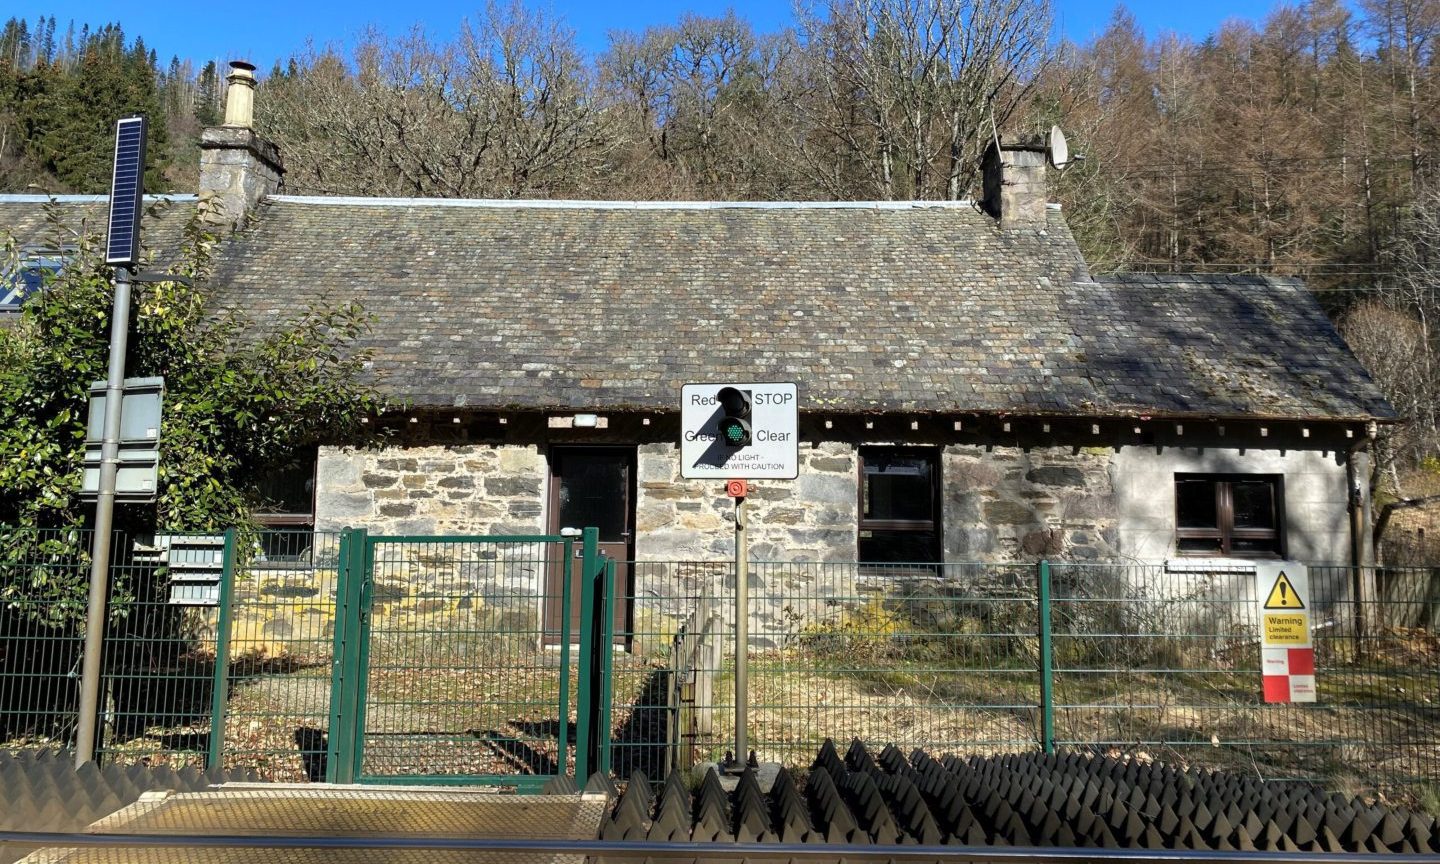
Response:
column 296, row 518
column 1225, row 531
column 933, row 525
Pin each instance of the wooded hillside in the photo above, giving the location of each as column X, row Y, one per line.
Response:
column 1304, row 144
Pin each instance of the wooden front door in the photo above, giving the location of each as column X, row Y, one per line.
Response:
column 592, row 487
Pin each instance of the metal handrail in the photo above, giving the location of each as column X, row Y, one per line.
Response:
column 708, row 850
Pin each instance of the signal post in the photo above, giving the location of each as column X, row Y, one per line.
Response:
column 737, row 433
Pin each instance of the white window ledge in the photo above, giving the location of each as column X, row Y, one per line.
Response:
column 1210, row 565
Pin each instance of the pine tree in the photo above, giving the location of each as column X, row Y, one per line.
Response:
column 15, row 44
column 207, row 96
column 67, row 59
column 109, row 82
column 45, row 50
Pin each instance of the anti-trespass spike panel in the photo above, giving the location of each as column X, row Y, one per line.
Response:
column 1026, row 799
column 122, row 244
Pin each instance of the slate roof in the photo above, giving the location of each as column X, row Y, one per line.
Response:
column 27, row 217
column 1216, row 344
column 923, row 307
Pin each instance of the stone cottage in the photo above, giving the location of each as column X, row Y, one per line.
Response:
column 969, row 390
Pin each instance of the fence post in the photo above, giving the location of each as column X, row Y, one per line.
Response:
column 335, row 751
column 585, row 709
column 1047, row 662
column 221, row 676
column 564, row 740
column 606, row 625
column 341, row 743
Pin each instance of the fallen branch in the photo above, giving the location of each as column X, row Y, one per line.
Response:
column 1383, row 520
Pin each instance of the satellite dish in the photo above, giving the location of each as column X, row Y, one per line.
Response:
column 1057, row 148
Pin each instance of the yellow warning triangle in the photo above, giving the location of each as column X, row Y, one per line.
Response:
column 1283, row 595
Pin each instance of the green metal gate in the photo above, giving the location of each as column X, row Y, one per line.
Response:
column 441, row 672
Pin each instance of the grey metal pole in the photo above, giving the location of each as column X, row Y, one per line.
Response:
column 742, row 631
column 104, row 519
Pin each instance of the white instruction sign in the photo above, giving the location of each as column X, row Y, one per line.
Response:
column 773, row 451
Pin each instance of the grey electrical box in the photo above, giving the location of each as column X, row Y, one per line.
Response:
column 195, row 594
column 138, row 477
column 135, row 481
column 196, row 567
column 139, row 412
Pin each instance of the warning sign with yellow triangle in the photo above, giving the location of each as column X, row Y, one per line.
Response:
column 1283, row 594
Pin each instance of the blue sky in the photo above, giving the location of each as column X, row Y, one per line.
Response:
column 264, row 32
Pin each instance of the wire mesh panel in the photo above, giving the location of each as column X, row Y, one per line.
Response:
column 41, row 634
column 934, row 656
column 459, row 684
column 1377, row 671
column 163, row 659
column 158, row 663
column 1168, row 663
column 279, row 654
column 159, row 659
column 1159, row 661
column 655, row 675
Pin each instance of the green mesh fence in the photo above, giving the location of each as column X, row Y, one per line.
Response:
column 41, row 634
column 465, row 668
column 279, row 653
column 950, row 658
column 162, row 671
column 1168, row 664
column 159, row 657
column 940, row 656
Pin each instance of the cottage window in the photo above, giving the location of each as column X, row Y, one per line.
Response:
column 899, row 505
column 287, row 506
column 1236, row 515
column 27, row 275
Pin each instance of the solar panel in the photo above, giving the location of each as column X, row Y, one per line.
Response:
column 126, row 191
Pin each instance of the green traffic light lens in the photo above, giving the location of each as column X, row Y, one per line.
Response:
column 733, row 432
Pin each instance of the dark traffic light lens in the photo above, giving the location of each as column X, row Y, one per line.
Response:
column 733, row 401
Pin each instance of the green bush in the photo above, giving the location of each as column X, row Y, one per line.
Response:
column 238, row 398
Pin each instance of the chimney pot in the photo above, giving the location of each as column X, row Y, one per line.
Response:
column 240, row 94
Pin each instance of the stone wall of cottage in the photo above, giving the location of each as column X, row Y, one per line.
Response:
column 466, row 489
column 809, row 519
column 1001, row 504
column 1011, row 504
column 456, row 489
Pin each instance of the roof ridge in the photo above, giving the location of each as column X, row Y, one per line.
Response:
column 583, row 204
column 41, row 198
column 1198, row 278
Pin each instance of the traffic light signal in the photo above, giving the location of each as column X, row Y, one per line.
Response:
column 735, row 425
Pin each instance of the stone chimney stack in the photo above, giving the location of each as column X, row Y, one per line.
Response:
column 1014, row 181
column 237, row 166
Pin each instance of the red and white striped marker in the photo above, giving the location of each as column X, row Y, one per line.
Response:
column 1289, row 674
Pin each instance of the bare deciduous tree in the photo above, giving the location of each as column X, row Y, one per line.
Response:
column 507, row 110
column 701, row 106
column 908, row 91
